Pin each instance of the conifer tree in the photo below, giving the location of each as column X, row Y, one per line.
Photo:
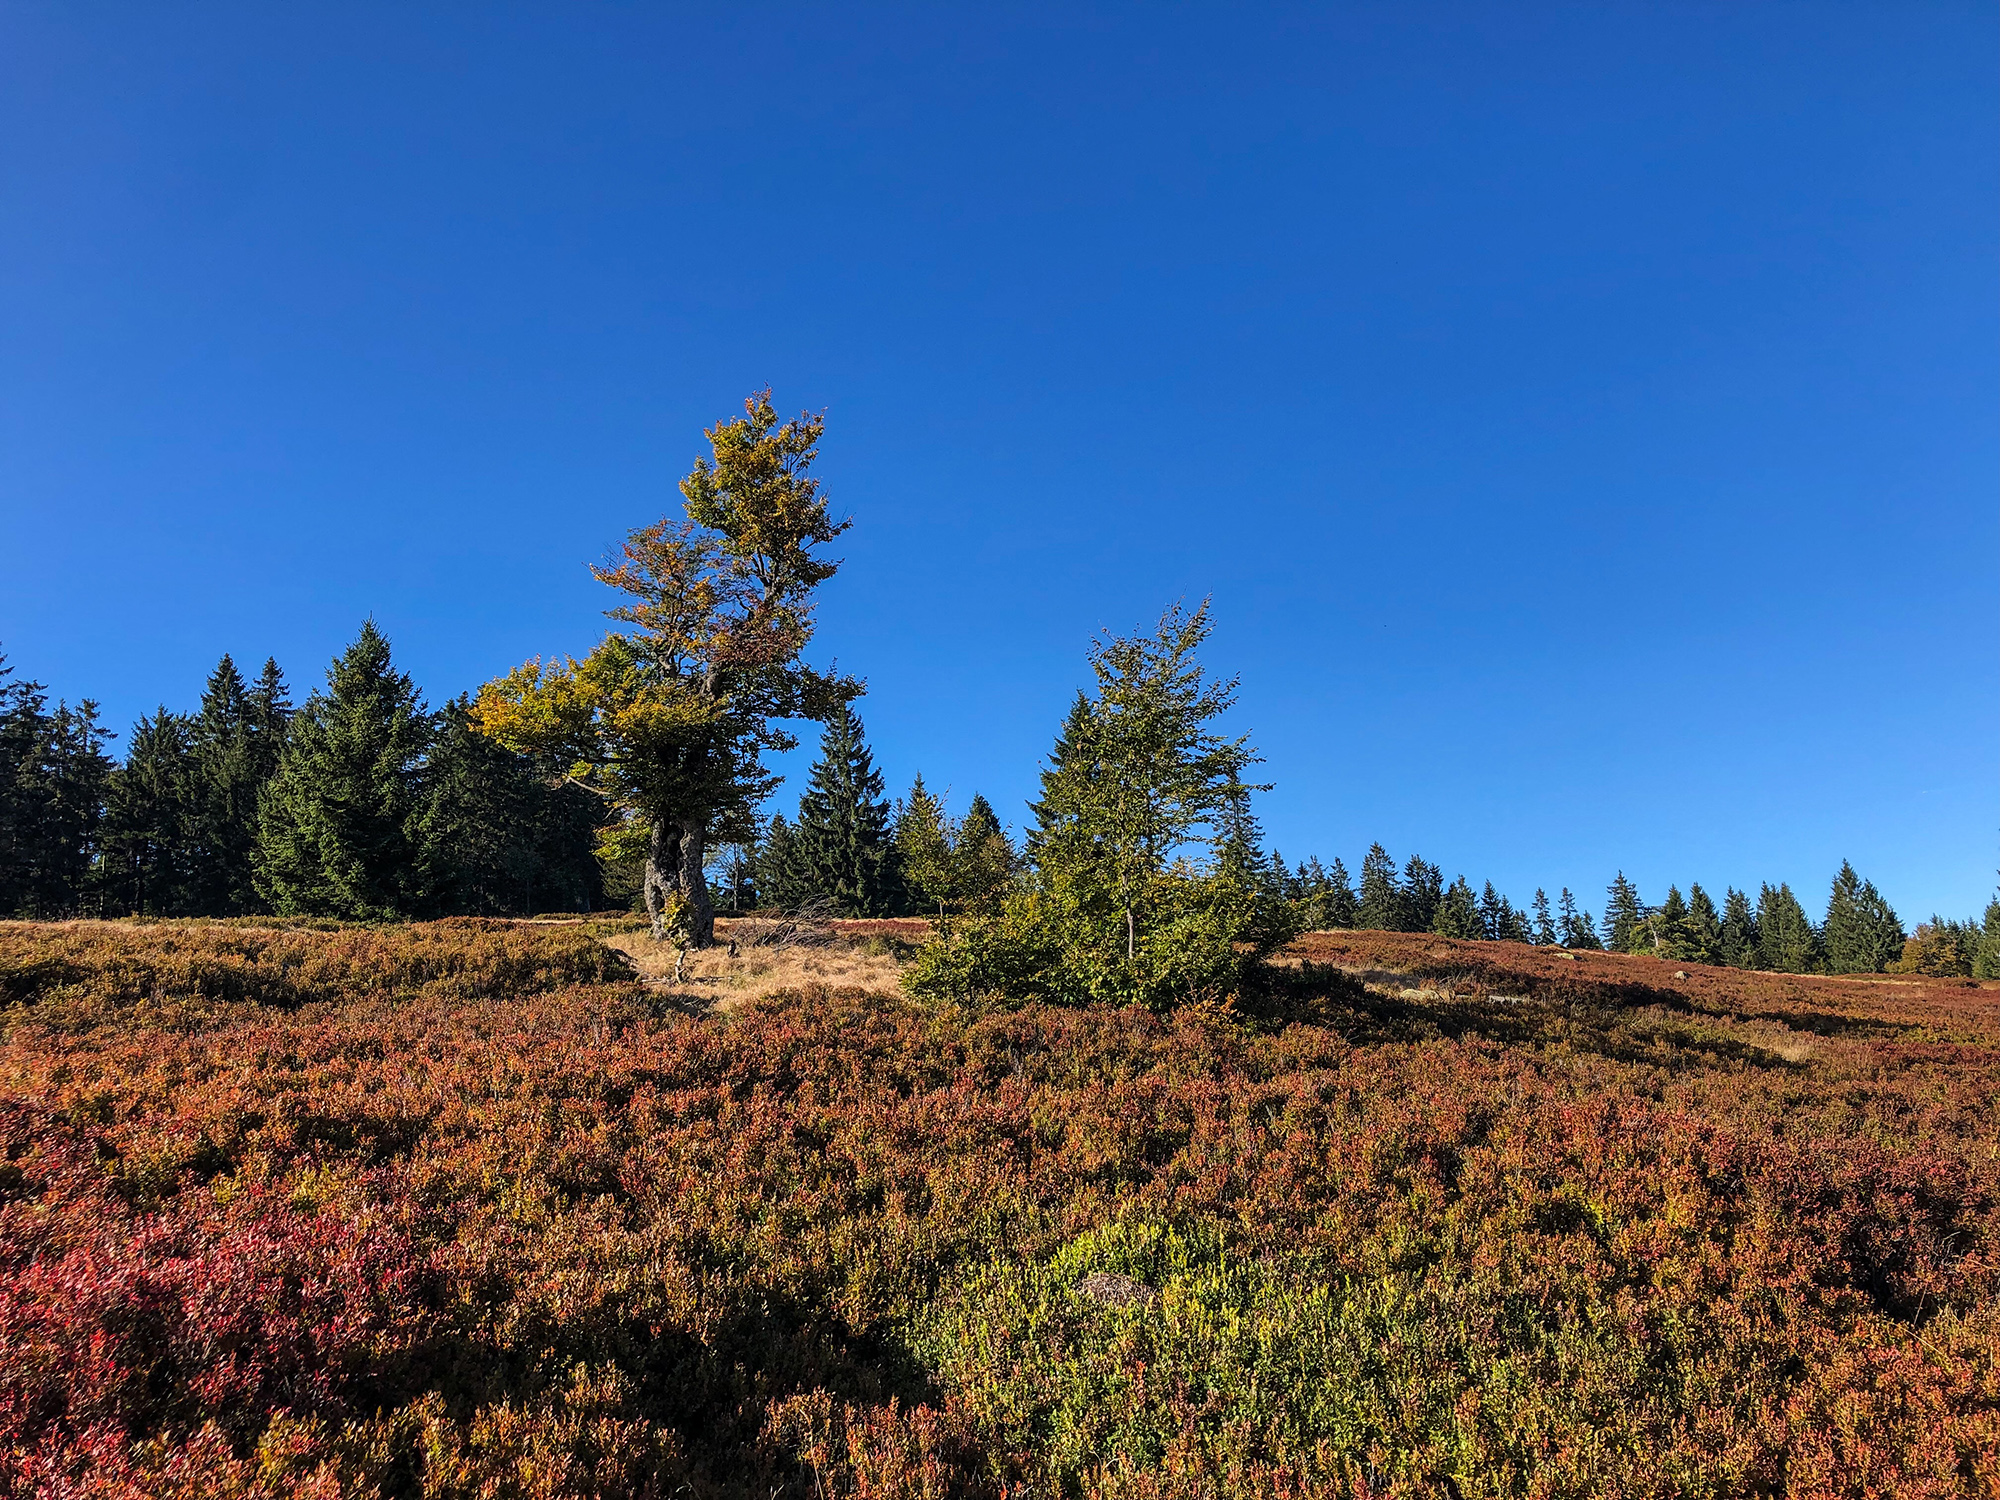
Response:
column 1986, row 957
column 227, row 771
column 1493, row 912
column 1624, row 913
column 1340, row 909
column 494, row 835
column 1736, row 944
column 1423, row 888
column 1050, row 822
column 982, row 854
column 1786, row 938
column 1702, row 929
column 924, row 839
column 1457, row 913
column 1545, row 926
column 783, row 880
column 843, row 824
column 1381, row 905
column 337, row 831
column 54, row 776
column 1578, row 930
column 149, row 807
column 1862, row 934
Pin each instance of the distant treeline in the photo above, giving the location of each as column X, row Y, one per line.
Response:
column 364, row 804
column 361, row 803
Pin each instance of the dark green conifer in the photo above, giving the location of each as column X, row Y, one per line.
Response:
column 493, row 836
column 982, row 854
column 1493, row 912
column 337, row 831
column 1457, row 913
column 1578, row 930
column 1050, row 824
column 146, row 866
column 1544, row 923
column 1702, row 930
column 1624, row 913
column 1986, row 960
column 1786, row 938
column 1340, row 908
column 1423, row 888
column 843, row 824
column 1381, row 904
column 784, row 882
column 1736, row 943
column 1862, row 934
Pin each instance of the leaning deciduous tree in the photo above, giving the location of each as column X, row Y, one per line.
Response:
column 669, row 720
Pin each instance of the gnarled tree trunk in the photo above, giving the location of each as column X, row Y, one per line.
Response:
column 675, row 854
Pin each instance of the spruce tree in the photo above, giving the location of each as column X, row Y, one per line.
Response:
column 1457, row 914
column 1624, row 913
column 1423, row 888
column 924, row 838
column 1493, row 910
column 147, row 864
column 784, row 882
column 1381, row 905
column 1986, row 960
column 1786, row 938
column 1341, row 909
column 1701, row 935
column 337, row 832
column 1736, row 945
column 1051, row 822
column 496, row 836
column 54, row 778
column 1578, row 930
column 226, row 774
column 843, row 824
column 1862, row 935
column 1545, row 926
column 983, row 855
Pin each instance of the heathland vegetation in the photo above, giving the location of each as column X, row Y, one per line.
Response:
column 1141, row 1162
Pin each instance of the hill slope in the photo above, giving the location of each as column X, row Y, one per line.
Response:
column 464, row 1209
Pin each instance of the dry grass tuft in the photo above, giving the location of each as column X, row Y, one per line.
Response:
column 712, row 980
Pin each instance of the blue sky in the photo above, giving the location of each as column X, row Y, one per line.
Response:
column 1583, row 417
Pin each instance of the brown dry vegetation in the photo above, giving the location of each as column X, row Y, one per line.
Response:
column 465, row 1210
column 855, row 955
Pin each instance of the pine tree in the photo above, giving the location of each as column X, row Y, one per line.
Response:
column 843, row 824
column 1862, row 935
column 924, row 837
column 1786, row 938
column 146, row 866
column 1457, row 914
column 1578, row 930
column 1736, row 944
column 1545, row 926
column 1381, row 905
column 1423, row 888
column 336, row 827
column 1624, row 913
column 1986, row 961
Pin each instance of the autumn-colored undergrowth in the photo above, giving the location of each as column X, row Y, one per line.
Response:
column 460, row 1209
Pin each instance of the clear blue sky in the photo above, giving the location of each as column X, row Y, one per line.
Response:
column 1584, row 417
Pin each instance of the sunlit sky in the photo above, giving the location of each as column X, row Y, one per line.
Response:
column 1583, row 418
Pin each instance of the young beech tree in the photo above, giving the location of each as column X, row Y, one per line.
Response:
column 669, row 720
